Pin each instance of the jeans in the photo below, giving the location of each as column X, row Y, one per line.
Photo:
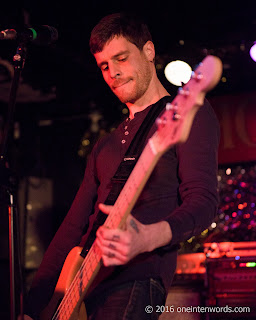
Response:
column 128, row 302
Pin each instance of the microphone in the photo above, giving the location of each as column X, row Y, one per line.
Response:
column 41, row 35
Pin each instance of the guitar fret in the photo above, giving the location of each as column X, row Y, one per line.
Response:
column 81, row 282
column 90, row 263
column 127, row 199
column 69, row 305
column 76, row 292
column 67, row 308
column 151, row 145
column 113, row 218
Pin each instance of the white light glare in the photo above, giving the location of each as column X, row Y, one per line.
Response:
column 253, row 52
column 214, row 225
column 228, row 171
column 178, row 72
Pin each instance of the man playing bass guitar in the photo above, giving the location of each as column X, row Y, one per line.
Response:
column 179, row 199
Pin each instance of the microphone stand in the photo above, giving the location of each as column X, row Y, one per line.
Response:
column 7, row 182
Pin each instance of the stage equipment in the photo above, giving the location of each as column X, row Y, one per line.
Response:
column 42, row 35
column 231, row 276
column 7, row 179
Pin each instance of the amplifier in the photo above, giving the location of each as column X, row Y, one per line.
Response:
column 231, row 267
column 191, row 263
column 231, row 276
column 190, row 268
column 230, row 249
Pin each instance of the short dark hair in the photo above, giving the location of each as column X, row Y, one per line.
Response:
column 131, row 27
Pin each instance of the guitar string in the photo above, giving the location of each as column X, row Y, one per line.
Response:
column 74, row 283
column 84, row 267
column 93, row 255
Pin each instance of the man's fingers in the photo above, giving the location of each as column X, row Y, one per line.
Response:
column 115, row 254
column 110, row 234
column 109, row 262
column 114, row 251
column 119, row 246
column 105, row 208
column 115, row 236
column 113, row 257
column 112, row 246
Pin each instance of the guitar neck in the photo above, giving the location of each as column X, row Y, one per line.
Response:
column 121, row 209
column 133, row 187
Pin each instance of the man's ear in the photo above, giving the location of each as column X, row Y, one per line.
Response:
column 149, row 50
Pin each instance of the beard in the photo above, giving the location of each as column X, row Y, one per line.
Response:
column 131, row 89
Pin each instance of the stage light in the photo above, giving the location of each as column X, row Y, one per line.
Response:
column 228, row 171
column 178, row 72
column 253, row 52
column 214, row 225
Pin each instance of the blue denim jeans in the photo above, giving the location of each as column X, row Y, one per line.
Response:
column 136, row 300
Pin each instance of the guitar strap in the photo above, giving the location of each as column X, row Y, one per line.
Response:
column 126, row 166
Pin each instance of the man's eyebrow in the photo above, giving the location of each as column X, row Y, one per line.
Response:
column 120, row 54
column 114, row 57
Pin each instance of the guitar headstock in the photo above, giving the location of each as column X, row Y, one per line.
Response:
column 175, row 123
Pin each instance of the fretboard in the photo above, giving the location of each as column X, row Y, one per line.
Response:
column 117, row 217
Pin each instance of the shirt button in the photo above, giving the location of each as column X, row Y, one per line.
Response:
column 123, row 141
column 125, row 127
column 126, row 133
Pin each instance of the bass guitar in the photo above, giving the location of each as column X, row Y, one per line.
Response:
column 173, row 126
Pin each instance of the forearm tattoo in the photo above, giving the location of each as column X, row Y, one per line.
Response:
column 134, row 226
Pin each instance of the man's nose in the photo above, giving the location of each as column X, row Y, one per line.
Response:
column 114, row 71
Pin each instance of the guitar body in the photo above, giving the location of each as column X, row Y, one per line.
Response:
column 68, row 272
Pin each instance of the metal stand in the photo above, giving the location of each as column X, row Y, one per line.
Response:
column 6, row 182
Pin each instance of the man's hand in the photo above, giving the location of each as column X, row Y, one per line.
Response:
column 120, row 246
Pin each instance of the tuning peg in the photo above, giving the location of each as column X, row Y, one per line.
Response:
column 159, row 121
column 196, row 76
column 176, row 116
column 184, row 92
column 168, row 106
